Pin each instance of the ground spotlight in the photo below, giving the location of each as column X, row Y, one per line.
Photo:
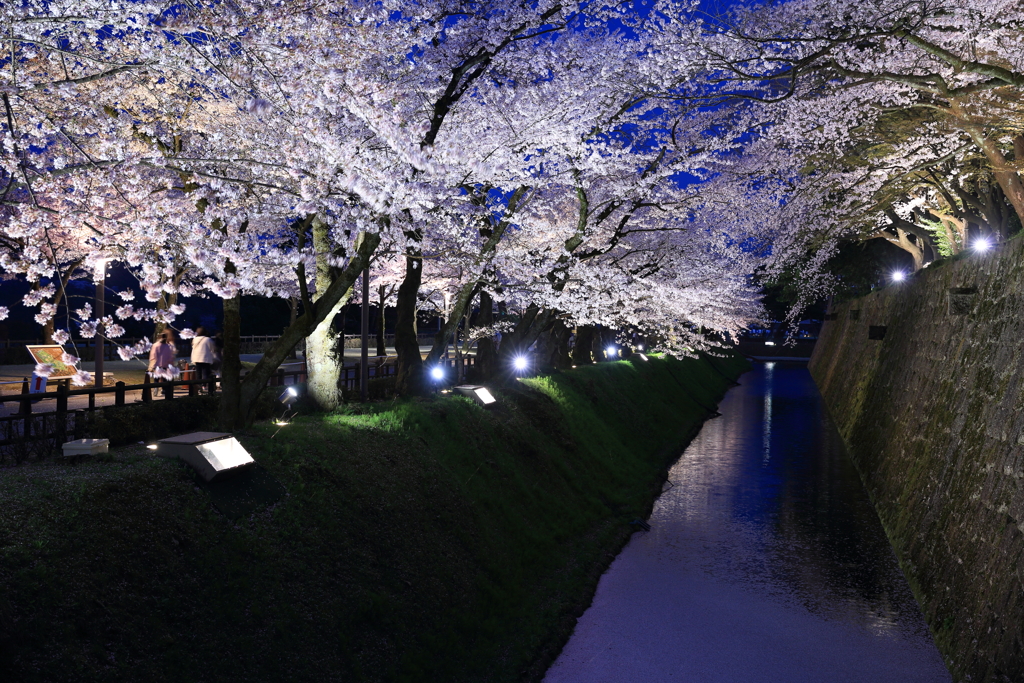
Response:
column 611, row 352
column 520, row 363
column 478, row 393
column 152, row 446
column 898, row 275
column 982, row 244
column 642, row 356
column 437, row 373
column 289, row 396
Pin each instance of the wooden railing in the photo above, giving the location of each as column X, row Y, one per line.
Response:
column 30, row 433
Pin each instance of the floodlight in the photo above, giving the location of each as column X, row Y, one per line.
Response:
column 152, row 446
column 213, row 455
column 289, row 396
column 642, row 356
column 520, row 363
column 610, row 351
column 639, row 347
column 437, row 373
column 478, row 393
column 897, row 276
column 982, row 244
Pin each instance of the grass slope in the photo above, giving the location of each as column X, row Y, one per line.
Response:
column 420, row 540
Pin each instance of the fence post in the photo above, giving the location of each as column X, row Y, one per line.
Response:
column 92, row 400
column 26, row 402
column 147, row 390
column 119, row 394
column 79, row 424
column 193, row 389
column 62, row 412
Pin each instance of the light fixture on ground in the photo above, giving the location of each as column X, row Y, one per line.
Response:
column 520, row 363
column 478, row 393
column 642, row 356
column 212, row 454
column 289, row 396
column 437, row 373
column 85, row 447
column 898, row 275
column 769, row 343
column 982, row 244
column 611, row 352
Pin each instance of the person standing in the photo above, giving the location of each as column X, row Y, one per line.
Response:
column 161, row 359
column 204, row 354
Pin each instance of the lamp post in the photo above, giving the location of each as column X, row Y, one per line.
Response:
column 101, row 286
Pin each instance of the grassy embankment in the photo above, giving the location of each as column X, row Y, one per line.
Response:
column 425, row 540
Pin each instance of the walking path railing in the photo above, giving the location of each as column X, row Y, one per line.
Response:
column 38, row 432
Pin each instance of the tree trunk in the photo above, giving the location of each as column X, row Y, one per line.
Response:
column 485, row 354
column 382, row 349
column 410, row 380
column 582, row 353
column 323, row 365
column 557, row 345
column 451, row 325
column 256, row 380
column 231, row 364
column 323, row 362
column 1005, row 173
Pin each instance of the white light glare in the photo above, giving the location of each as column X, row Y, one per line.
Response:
column 611, row 351
column 639, row 347
column 897, row 276
column 642, row 356
column 769, row 343
column 520, row 363
column 982, row 244
column 485, row 396
column 437, row 373
column 292, row 392
column 152, row 446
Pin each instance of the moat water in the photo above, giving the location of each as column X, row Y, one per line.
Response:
column 765, row 562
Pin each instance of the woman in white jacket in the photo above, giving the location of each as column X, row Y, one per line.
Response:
column 204, row 354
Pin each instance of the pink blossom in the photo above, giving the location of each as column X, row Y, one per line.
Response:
column 43, row 370
column 81, row 378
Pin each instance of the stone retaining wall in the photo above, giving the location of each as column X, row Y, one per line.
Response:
column 924, row 381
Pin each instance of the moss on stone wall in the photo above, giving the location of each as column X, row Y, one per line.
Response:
column 932, row 415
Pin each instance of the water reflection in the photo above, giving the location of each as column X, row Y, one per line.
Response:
column 766, row 562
